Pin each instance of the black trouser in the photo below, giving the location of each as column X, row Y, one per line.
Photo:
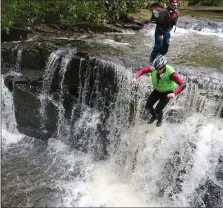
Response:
column 153, row 98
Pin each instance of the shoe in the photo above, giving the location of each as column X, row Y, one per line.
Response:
column 159, row 122
column 152, row 119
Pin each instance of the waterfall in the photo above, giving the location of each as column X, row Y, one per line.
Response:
column 8, row 116
column 62, row 123
column 18, row 60
column 50, row 69
column 86, row 125
column 96, row 148
column 105, row 154
column 161, row 162
column 10, row 133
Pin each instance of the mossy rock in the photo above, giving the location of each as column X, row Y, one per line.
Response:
column 142, row 15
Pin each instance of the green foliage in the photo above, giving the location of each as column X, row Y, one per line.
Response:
column 68, row 12
column 9, row 13
column 129, row 16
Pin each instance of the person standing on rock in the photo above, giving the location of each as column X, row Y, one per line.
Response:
column 164, row 80
column 165, row 20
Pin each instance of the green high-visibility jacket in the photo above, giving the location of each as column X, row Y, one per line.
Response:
column 164, row 84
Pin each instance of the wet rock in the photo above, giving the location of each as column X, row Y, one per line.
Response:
column 33, row 55
column 86, row 26
column 141, row 16
column 132, row 26
column 197, row 27
column 118, row 25
column 72, row 75
column 31, row 132
column 5, row 70
column 211, row 192
column 33, row 59
column 32, row 75
column 87, row 72
column 75, row 29
column 139, row 23
column 68, row 102
column 101, row 148
column 50, row 28
column 221, row 113
column 15, row 34
column 8, row 56
column 10, row 80
column 175, row 115
column 54, row 26
column 213, row 195
column 219, row 170
column 82, row 54
column 27, row 106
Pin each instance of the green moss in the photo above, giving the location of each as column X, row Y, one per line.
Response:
column 142, row 15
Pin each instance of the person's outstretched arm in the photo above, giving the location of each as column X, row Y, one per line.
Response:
column 143, row 71
column 140, row 73
column 181, row 85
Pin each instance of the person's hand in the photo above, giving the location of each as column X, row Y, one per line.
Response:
column 133, row 81
column 171, row 95
column 161, row 38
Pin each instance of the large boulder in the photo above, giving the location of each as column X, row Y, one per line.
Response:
column 10, row 80
column 32, row 59
column 27, row 112
column 86, row 79
column 30, row 55
column 84, row 73
column 142, row 15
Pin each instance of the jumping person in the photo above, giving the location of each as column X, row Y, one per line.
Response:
column 165, row 21
column 163, row 81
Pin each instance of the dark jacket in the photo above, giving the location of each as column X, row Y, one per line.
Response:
column 166, row 18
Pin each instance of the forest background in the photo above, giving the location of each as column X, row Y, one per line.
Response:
column 17, row 13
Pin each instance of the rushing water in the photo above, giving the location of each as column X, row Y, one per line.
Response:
column 178, row 164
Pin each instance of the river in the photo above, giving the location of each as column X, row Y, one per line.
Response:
column 178, row 164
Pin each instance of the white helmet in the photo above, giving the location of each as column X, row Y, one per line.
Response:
column 159, row 62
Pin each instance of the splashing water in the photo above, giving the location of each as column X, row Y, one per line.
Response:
column 173, row 165
column 10, row 133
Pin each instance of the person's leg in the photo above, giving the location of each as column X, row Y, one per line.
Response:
column 160, row 106
column 153, row 98
column 166, row 42
column 158, row 45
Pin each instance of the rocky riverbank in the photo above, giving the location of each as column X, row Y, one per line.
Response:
column 135, row 22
